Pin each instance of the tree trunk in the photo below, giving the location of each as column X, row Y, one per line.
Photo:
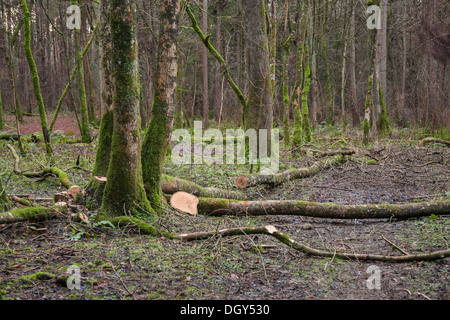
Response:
column 124, row 191
column 204, row 62
column 157, row 138
column 35, row 77
column 381, row 66
column 218, row 77
column 352, row 69
column 2, row 122
column 259, row 112
column 5, row 205
column 85, row 135
column 94, row 188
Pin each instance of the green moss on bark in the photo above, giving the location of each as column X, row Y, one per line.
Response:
column 2, row 123
column 305, row 92
column 383, row 123
column 5, row 205
column 124, row 192
column 35, row 76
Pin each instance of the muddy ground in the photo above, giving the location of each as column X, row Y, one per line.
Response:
column 121, row 264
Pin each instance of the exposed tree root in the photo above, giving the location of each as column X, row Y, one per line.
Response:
column 221, row 207
column 434, row 140
column 276, row 179
column 273, row 232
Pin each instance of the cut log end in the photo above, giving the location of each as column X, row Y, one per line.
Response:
column 184, row 202
column 74, row 191
column 242, row 182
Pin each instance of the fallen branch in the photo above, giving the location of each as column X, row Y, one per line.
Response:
column 322, row 154
column 221, row 207
column 33, row 214
column 292, row 174
column 287, row 240
column 433, row 140
column 63, row 178
column 171, row 185
column 16, row 159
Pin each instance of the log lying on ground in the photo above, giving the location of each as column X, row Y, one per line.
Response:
column 221, row 207
column 33, row 214
column 433, row 140
column 273, row 232
column 292, row 174
column 171, row 185
column 321, row 154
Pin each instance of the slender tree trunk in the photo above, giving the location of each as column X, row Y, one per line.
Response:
column 5, row 205
column 157, row 138
column 95, row 188
column 218, row 77
column 85, row 135
column 328, row 92
column 204, row 61
column 381, row 68
column 2, row 122
column 313, row 54
column 259, row 111
column 352, row 69
column 124, row 191
column 35, row 77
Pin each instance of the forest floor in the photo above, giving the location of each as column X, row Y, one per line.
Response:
column 118, row 264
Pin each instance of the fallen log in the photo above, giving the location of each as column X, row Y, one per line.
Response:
column 222, row 207
column 297, row 245
column 321, row 154
column 433, row 140
column 247, row 181
column 33, row 214
column 171, row 185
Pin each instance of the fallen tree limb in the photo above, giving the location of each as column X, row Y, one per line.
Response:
column 32, row 214
column 433, row 140
column 63, row 178
column 221, row 207
column 171, row 185
column 16, row 159
column 321, row 154
column 287, row 240
column 292, row 174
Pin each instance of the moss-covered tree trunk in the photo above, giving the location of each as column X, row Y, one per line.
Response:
column 124, row 191
column 158, row 135
column 305, row 109
column 2, row 122
column 85, row 136
column 35, row 76
column 95, row 188
column 284, row 110
column 4, row 202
